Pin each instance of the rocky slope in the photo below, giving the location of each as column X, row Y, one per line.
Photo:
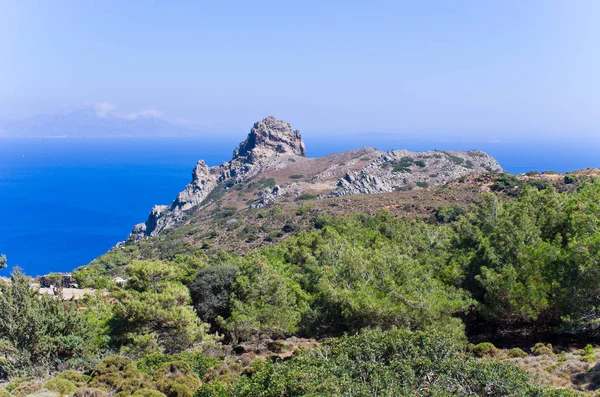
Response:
column 271, row 166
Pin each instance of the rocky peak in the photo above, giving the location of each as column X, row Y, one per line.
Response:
column 267, row 137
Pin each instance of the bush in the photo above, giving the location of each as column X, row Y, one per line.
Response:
column 211, row 290
column 296, row 176
column 90, row 392
column 589, row 350
column 516, row 353
column 420, row 163
column 540, row 349
column 448, row 214
column 485, row 349
column 148, row 393
column 505, row 182
column 74, row 376
column 570, row 178
column 196, row 360
column 62, row 386
column 306, row 196
column 176, row 379
column 118, row 373
column 393, row 363
column 27, row 388
column 423, row 185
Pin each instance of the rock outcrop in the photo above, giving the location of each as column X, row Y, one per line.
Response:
column 270, row 165
column 268, row 142
column 399, row 170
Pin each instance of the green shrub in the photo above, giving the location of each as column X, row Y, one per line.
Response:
column 118, row 373
column 540, row 349
column 148, row 393
column 504, row 182
column 570, row 178
column 589, row 350
column 176, row 379
column 306, row 196
column 297, row 176
column 448, row 214
column 485, row 349
column 423, row 185
column 90, row 392
column 27, row 388
column 393, row 363
column 212, row 389
column 62, row 386
column 420, row 163
column 4, row 392
column 211, row 290
column 516, row 353
column 77, row 378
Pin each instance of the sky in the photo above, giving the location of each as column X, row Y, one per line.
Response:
column 480, row 69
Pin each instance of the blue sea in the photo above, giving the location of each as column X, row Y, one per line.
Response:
column 63, row 202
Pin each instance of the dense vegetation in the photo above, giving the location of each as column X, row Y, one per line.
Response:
column 391, row 300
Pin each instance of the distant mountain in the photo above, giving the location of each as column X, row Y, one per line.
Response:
column 87, row 124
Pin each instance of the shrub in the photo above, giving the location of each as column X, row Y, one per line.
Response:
column 306, row 196
column 196, row 360
column 540, row 349
column 212, row 389
column 420, row 163
column 516, row 353
column 176, row 379
column 297, row 176
column 211, row 290
column 504, row 182
column 423, row 185
column 148, row 393
column 448, row 214
column 27, row 388
column 74, row 376
column 90, row 392
column 570, row 178
column 62, row 386
column 118, row 373
column 485, row 349
column 589, row 350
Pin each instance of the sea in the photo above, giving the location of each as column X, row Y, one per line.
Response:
column 63, row 202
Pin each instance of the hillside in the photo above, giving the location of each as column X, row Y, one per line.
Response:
column 271, row 166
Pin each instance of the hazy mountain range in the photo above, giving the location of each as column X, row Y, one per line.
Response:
column 87, row 123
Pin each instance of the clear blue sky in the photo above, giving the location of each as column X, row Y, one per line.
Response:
column 491, row 69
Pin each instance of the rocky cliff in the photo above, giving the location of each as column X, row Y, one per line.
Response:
column 271, row 165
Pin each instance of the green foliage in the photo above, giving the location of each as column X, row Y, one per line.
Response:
column 119, row 374
column 306, row 196
column 393, row 363
column 2, row 261
column 90, row 392
column 589, row 350
column 155, row 310
column 176, row 379
column 40, row 331
column 62, row 386
column 211, row 290
column 423, row 185
column 505, row 182
column 148, row 393
column 485, row 349
column 570, row 178
column 420, row 163
column 198, row 362
column 27, row 388
column 455, row 159
column 515, row 352
column 540, row 349
column 75, row 377
column 265, row 183
column 296, row 176
column 448, row 214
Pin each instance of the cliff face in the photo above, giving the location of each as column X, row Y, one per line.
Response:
column 270, row 165
column 268, row 138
